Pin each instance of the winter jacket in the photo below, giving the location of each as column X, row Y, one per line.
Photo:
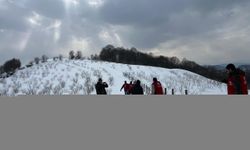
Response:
column 100, row 88
column 157, row 88
column 126, row 87
column 130, row 87
column 137, row 90
column 237, row 83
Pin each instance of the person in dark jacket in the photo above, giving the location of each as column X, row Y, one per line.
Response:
column 236, row 82
column 100, row 87
column 137, row 88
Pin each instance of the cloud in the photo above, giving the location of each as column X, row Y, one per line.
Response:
column 12, row 17
column 200, row 30
column 51, row 9
column 190, row 26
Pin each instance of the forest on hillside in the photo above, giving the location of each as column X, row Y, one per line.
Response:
column 133, row 56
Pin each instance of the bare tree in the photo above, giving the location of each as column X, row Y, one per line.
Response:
column 71, row 54
column 36, row 60
column 60, row 57
column 44, row 58
column 11, row 65
column 175, row 60
column 78, row 55
column 1, row 69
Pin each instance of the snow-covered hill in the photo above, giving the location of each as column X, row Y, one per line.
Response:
column 77, row 77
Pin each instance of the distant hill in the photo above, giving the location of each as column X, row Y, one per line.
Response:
column 244, row 67
column 223, row 66
column 133, row 56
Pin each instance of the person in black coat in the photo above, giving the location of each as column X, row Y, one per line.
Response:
column 100, row 87
column 137, row 89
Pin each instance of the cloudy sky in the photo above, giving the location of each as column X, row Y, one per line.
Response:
column 205, row 31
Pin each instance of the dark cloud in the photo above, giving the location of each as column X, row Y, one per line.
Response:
column 48, row 8
column 214, row 31
column 217, row 5
column 156, row 21
column 140, row 13
column 13, row 17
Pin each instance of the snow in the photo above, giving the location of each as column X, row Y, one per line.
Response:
column 49, row 79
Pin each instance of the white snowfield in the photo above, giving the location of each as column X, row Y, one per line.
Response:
column 78, row 77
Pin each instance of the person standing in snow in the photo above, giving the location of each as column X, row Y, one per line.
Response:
column 137, row 88
column 125, row 86
column 100, row 87
column 236, row 82
column 130, row 86
column 156, row 87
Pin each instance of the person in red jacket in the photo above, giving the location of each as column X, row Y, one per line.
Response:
column 130, row 86
column 126, row 87
column 156, row 87
column 236, row 82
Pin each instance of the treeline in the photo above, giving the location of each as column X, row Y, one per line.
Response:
column 10, row 66
column 133, row 56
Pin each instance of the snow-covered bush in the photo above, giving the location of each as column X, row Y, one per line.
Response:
column 4, row 91
column 85, row 74
column 97, row 73
column 62, row 84
column 88, row 86
column 75, row 80
column 129, row 75
column 111, row 81
column 57, row 90
column 16, row 87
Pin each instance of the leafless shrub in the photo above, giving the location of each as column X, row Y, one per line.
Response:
column 57, row 90
column 43, row 92
column 30, row 90
column 97, row 73
column 46, row 89
column 74, row 89
column 84, row 74
column 16, row 86
column 88, row 86
column 62, row 84
column 4, row 92
column 75, row 80
column 129, row 75
column 111, row 81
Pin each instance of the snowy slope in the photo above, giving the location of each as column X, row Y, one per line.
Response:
column 77, row 77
